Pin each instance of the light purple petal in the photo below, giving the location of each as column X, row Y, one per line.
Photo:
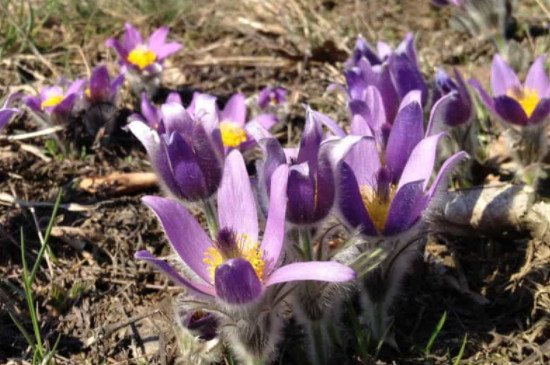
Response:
column 235, row 110
column 236, row 205
column 151, row 113
column 5, row 115
column 49, row 91
column 157, row 39
column 441, row 180
column 503, row 78
column 75, row 87
column 407, row 47
column 537, row 79
column 131, row 38
column 122, row 52
column 184, row 233
column 274, row 235
column 174, row 97
column 332, row 272
column 377, row 111
column 312, row 136
column 176, row 119
column 485, row 98
column 406, row 206
column 167, row 49
column 364, row 160
column 421, row 161
column 166, row 269
column 265, row 120
column 384, row 50
column 329, row 123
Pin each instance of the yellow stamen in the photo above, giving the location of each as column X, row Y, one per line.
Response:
column 378, row 207
column 247, row 250
column 52, row 101
column 142, row 57
column 274, row 101
column 527, row 98
column 88, row 93
column 232, row 134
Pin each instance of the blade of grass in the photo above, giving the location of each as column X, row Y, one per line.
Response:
column 361, row 340
column 435, row 333
column 461, row 352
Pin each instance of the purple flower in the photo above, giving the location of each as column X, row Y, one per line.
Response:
column 101, row 89
column 54, row 101
column 312, row 181
column 186, row 152
column 384, row 191
column 140, row 55
column 394, row 73
column 235, row 267
column 448, row 2
column 6, row 112
column 201, row 324
column 271, row 95
column 453, row 103
column 512, row 102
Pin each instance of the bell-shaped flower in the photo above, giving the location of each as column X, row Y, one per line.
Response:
column 235, row 267
column 137, row 54
column 385, row 191
column 394, row 72
column 100, row 88
column 54, row 102
column 457, row 109
column 187, row 153
column 271, row 96
column 7, row 111
column 514, row 102
column 312, row 179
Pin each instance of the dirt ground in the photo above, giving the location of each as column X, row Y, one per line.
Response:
column 494, row 290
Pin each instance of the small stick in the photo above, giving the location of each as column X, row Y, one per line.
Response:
column 39, row 133
column 119, row 183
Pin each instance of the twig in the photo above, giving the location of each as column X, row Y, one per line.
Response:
column 40, row 133
column 119, row 183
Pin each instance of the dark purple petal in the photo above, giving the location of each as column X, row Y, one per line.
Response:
column 356, row 83
column 350, row 202
column 122, row 52
column 236, row 204
column 407, row 47
column 407, row 76
column 302, row 195
column 363, row 49
column 503, row 78
column 406, row 207
column 332, row 272
column 185, row 234
column 201, row 324
column 264, row 97
column 485, row 98
column 196, row 289
column 311, row 140
column 510, row 110
column 100, row 84
column 380, row 78
column 65, row 107
column 540, row 114
column 236, row 282
column 235, row 110
column 208, row 152
column 33, row 103
column 5, row 115
column 407, row 131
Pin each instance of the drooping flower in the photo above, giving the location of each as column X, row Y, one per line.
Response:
column 186, row 152
column 7, row 111
column 458, row 109
column 56, row 103
column 514, row 102
column 235, row 267
column 100, row 88
column 394, row 73
column 135, row 53
column 312, row 179
column 271, row 96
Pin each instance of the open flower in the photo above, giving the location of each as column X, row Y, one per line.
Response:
column 55, row 102
column 271, row 96
column 235, row 267
column 384, row 191
column 6, row 111
column 140, row 55
column 187, row 153
column 513, row 102
column 312, row 180
column 101, row 89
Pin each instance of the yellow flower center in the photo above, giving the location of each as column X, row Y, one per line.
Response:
column 141, row 57
column 52, row 101
column 88, row 93
column 246, row 249
column 527, row 98
column 232, row 134
column 274, row 101
column 377, row 206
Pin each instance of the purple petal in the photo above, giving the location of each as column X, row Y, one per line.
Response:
column 302, row 194
column 204, row 108
column 151, row 113
column 384, row 50
column 157, row 39
column 264, row 97
column 195, row 288
column 5, row 115
column 407, row 131
column 405, row 209
column 376, row 108
column 131, row 38
column 76, row 86
column 311, row 140
column 332, row 272
column 485, row 98
column 167, row 49
column 34, row 103
column 537, row 79
column 363, row 49
column 116, row 84
column 274, row 235
column 441, row 180
column 329, row 123
column 265, row 120
column 65, row 107
column 49, row 91
column 407, row 47
column 350, row 202
column 540, row 114
column 235, row 110
column 356, row 83
column 100, row 84
column 236, row 205
column 176, row 119
column 503, row 78
column 184, row 233
column 510, row 110
column 236, row 282
column 122, row 52
column 364, row 161
column 174, row 97
column 421, row 161
column 407, row 76
column 380, row 77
